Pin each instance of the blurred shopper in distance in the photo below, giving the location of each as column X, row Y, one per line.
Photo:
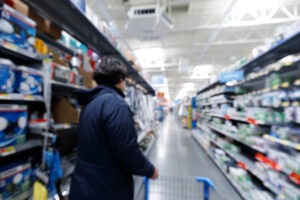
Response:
column 108, row 152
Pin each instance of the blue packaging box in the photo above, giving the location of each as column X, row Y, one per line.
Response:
column 14, row 180
column 7, row 76
column 15, row 28
column 13, row 124
column 28, row 81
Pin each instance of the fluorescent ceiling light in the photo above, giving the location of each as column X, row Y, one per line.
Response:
column 254, row 5
column 189, row 85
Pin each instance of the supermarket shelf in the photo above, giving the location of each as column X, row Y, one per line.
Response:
column 21, row 97
column 239, row 119
column 213, row 84
column 235, row 186
column 84, row 31
column 18, row 55
column 141, row 136
column 250, row 167
column 219, row 102
column 150, row 147
column 65, row 87
column 64, row 126
column 283, row 142
column 54, row 43
column 236, row 139
column 217, row 94
column 284, row 48
column 8, row 151
column 284, row 69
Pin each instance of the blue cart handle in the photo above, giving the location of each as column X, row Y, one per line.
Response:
column 207, row 185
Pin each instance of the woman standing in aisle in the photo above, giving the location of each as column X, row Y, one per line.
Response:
column 108, row 152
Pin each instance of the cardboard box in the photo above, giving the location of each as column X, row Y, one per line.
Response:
column 18, row 5
column 45, row 26
column 87, row 77
column 58, row 59
column 64, row 112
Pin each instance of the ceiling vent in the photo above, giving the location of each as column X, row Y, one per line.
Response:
column 148, row 22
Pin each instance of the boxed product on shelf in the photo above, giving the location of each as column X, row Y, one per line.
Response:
column 15, row 179
column 7, row 76
column 17, row 29
column 242, row 178
column 13, row 123
column 28, row 81
column 76, row 78
column 287, row 132
column 60, row 73
column 18, row 5
column 45, row 26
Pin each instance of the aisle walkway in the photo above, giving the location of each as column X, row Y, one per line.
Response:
column 177, row 154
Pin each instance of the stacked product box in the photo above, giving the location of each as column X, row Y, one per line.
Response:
column 15, row 179
column 21, row 80
column 17, row 29
column 13, row 123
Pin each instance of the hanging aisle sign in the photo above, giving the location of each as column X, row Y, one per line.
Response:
column 231, row 76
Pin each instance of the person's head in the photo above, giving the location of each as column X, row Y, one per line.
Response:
column 111, row 72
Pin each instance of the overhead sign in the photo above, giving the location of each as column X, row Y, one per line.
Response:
column 231, row 76
column 157, row 80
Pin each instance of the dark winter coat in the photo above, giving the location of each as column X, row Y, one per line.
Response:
column 108, row 152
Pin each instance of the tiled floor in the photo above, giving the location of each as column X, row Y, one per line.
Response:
column 176, row 154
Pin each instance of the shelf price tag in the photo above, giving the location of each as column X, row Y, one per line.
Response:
column 28, row 97
column 295, row 178
column 285, row 85
column 252, row 121
column 275, row 87
column 227, row 117
column 295, row 103
column 7, row 151
column 242, row 165
column 5, row 96
column 267, row 161
column 285, row 104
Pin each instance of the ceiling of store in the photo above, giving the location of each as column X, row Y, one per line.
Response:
column 206, row 32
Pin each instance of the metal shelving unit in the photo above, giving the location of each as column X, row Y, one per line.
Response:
column 257, row 84
column 84, row 31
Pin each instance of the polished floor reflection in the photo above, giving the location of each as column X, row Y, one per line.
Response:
column 176, row 154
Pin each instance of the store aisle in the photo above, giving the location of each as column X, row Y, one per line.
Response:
column 177, row 154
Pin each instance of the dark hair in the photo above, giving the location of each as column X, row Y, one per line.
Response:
column 110, row 71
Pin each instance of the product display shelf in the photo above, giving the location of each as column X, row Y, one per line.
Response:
column 55, row 43
column 67, row 86
column 18, row 55
column 84, row 31
column 236, row 139
column 288, row 68
column 235, row 185
column 282, row 49
column 217, row 94
column 147, row 152
column 247, row 120
column 141, row 136
column 282, row 142
column 209, row 86
column 31, row 144
column 20, row 97
column 63, row 126
column 214, row 103
column 250, row 166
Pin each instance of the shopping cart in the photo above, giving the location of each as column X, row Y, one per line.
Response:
column 177, row 188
